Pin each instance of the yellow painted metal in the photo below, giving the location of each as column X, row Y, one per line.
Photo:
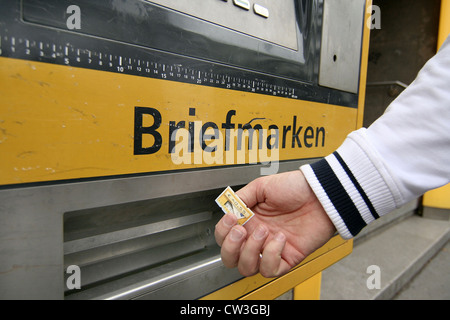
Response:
column 309, row 289
column 364, row 64
column 59, row 122
column 440, row 198
column 260, row 288
column 444, row 22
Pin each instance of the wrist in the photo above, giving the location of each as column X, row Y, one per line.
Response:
column 352, row 185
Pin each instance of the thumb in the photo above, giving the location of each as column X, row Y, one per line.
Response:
column 250, row 193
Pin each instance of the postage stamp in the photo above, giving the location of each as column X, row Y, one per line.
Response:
column 229, row 202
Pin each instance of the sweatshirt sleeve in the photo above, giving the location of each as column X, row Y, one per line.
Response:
column 403, row 154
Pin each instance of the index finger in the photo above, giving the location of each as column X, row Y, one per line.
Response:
column 223, row 227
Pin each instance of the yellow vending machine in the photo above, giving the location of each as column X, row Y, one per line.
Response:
column 122, row 120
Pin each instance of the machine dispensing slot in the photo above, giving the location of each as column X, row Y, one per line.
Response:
column 149, row 241
column 132, row 233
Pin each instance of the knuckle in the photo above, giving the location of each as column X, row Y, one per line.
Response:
column 227, row 252
column 219, row 238
column 247, row 269
column 247, row 272
column 272, row 252
column 229, row 263
column 266, row 273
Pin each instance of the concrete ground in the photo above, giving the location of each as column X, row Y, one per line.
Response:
column 412, row 255
column 432, row 282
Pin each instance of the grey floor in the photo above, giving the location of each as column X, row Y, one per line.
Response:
column 432, row 282
column 413, row 257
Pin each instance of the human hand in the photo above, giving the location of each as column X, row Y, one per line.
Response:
column 289, row 224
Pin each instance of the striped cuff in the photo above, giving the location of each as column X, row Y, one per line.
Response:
column 351, row 187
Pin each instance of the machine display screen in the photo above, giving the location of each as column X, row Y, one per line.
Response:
column 272, row 21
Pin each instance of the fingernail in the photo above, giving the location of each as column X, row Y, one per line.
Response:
column 229, row 221
column 236, row 234
column 280, row 237
column 260, row 233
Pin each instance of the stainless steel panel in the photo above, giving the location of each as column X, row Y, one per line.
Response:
column 341, row 44
column 280, row 28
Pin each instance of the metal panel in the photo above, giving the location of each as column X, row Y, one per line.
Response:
column 280, row 28
column 341, row 44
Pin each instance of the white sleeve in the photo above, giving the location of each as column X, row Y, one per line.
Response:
column 405, row 153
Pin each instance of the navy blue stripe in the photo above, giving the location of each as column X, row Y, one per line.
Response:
column 357, row 185
column 338, row 196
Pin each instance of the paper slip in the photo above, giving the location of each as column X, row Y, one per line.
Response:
column 231, row 203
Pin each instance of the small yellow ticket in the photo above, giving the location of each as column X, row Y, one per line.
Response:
column 229, row 202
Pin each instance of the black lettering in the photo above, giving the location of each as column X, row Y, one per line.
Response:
column 309, row 134
column 260, row 135
column 251, row 132
column 191, row 131
column 204, row 137
column 318, row 131
column 285, row 131
column 240, row 131
column 269, row 138
column 295, row 134
column 227, row 126
column 139, row 130
column 173, row 133
column 240, row 136
column 191, row 136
